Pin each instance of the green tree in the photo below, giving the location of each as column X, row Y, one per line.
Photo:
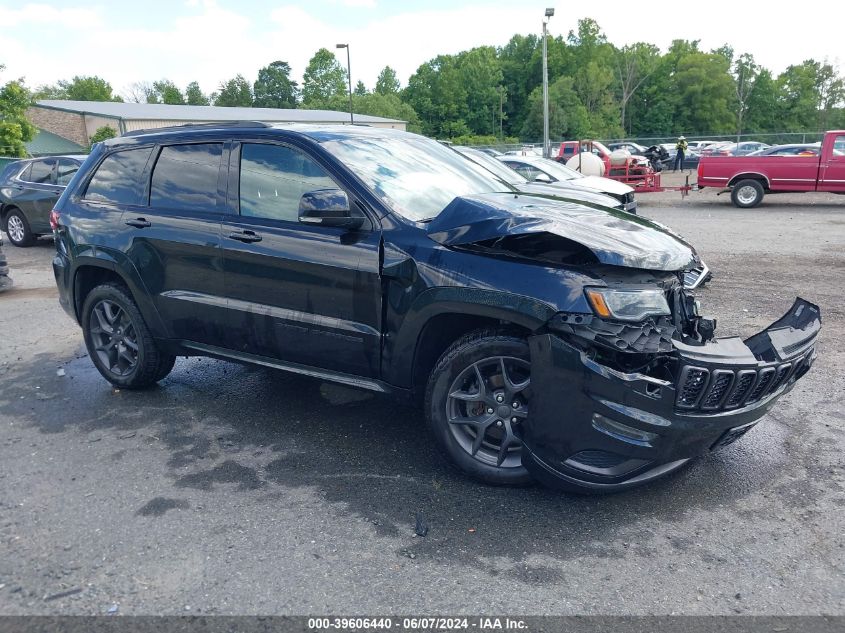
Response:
column 49, row 91
column 15, row 129
column 389, row 106
column 168, row 92
column 705, row 92
column 82, row 88
column 568, row 118
column 481, row 76
column 387, row 82
column 763, row 106
column 101, row 134
column 520, row 62
column 745, row 73
column 195, row 96
column 360, row 89
column 635, row 63
column 438, row 95
column 235, row 92
column 324, row 78
column 274, row 88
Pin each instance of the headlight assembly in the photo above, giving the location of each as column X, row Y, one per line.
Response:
column 627, row 304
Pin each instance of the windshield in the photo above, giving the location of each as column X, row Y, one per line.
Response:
column 415, row 176
column 555, row 169
column 493, row 165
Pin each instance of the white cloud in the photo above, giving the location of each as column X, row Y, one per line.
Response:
column 42, row 14
column 359, row 4
column 215, row 42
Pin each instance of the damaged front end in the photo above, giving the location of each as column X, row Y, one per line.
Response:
column 616, row 404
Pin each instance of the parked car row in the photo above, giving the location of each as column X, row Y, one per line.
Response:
column 546, row 337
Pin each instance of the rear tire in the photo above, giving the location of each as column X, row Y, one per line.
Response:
column 17, row 228
column 747, row 194
column 473, row 389
column 118, row 341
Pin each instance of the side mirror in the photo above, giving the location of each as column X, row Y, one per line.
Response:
column 541, row 177
column 327, row 207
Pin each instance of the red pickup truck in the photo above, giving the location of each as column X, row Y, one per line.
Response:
column 749, row 178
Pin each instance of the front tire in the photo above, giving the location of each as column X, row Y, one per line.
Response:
column 118, row 341
column 477, row 400
column 17, row 228
column 747, row 194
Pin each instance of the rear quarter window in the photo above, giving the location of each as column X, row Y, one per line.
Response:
column 119, row 178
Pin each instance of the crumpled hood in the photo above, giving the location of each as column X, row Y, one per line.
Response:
column 614, row 237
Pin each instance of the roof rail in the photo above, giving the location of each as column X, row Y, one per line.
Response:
column 196, row 126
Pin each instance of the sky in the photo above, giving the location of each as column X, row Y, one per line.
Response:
column 213, row 40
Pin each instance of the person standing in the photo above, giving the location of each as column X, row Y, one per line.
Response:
column 681, row 147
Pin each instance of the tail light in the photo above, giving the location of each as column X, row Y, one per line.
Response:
column 54, row 219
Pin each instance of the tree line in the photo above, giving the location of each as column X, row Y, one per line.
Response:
column 488, row 93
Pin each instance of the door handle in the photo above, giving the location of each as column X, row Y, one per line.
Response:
column 245, row 236
column 139, row 223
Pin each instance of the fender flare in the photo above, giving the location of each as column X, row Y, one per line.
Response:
column 400, row 354
column 120, row 265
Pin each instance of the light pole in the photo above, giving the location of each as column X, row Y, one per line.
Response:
column 549, row 13
column 349, row 78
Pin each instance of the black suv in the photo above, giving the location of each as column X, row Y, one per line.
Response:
column 545, row 337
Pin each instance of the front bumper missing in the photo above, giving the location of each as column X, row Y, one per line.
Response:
column 624, row 429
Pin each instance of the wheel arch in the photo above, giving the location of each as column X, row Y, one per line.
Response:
column 5, row 209
column 440, row 316
column 93, row 270
column 749, row 175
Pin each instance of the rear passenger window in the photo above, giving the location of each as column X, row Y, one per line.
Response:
column 273, row 179
column 26, row 174
column 65, row 171
column 42, row 172
column 118, row 178
column 185, row 177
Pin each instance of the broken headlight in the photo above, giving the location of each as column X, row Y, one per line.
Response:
column 626, row 304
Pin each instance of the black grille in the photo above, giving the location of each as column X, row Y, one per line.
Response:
column 714, row 389
column 763, row 384
column 780, row 376
column 693, row 381
column 743, row 385
column 721, row 382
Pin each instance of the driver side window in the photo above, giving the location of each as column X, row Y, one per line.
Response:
column 273, row 179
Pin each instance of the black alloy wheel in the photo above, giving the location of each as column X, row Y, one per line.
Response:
column 115, row 338
column 118, row 341
column 477, row 401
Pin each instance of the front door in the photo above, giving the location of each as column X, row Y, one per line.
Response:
column 832, row 170
column 297, row 292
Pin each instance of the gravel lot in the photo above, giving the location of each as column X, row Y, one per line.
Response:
column 240, row 490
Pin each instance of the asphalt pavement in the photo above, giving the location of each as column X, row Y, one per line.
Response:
column 242, row 490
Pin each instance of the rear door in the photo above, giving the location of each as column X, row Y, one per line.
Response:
column 174, row 242
column 832, row 169
column 297, row 292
